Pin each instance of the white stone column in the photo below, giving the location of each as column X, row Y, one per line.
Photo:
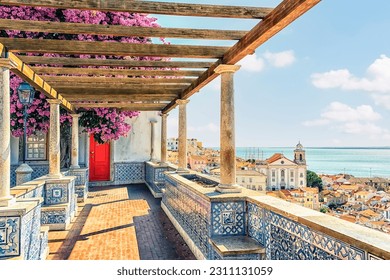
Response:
column 152, row 140
column 182, row 134
column 54, row 140
column 164, row 138
column 75, row 141
column 227, row 134
column 6, row 199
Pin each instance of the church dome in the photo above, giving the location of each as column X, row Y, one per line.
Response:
column 299, row 146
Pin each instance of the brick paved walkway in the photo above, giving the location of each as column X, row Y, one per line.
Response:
column 119, row 223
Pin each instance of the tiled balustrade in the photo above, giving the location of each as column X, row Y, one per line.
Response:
column 155, row 177
column 81, row 182
column 286, row 231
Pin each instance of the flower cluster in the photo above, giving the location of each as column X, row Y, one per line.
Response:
column 105, row 123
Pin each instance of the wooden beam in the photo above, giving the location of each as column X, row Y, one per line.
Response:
column 65, row 91
column 27, row 74
column 119, row 30
column 68, row 61
column 113, row 72
column 57, row 80
column 110, row 48
column 285, row 13
column 127, row 106
column 89, row 86
column 149, row 7
column 121, row 97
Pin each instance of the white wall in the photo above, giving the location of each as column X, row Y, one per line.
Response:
column 136, row 146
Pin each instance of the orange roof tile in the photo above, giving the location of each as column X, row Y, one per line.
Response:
column 274, row 158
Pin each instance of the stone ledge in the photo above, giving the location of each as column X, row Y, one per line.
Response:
column 25, row 188
column 21, row 207
column 154, row 193
column 236, row 245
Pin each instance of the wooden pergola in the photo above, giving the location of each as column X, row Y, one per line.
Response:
column 73, row 84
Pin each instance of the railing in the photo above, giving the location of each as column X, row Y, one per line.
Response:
column 286, row 231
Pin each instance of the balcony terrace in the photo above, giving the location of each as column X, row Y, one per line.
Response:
column 217, row 220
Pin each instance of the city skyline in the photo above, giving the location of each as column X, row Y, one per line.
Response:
column 323, row 81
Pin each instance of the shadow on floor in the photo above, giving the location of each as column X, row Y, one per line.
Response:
column 156, row 236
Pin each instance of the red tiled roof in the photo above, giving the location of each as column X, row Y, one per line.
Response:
column 275, row 157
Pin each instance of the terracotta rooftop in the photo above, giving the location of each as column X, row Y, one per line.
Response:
column 275, row 157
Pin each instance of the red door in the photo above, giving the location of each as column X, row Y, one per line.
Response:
column 99, row 161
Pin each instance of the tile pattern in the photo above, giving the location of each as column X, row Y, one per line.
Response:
column 37, row 192
column 13, row 174
column 43, row 244
column 30, row 233
column 39, row 170
column 228, row 218
column 54, row 217
column 129, row 172
column 286, row 239
column 81, row 176
column 56, row 194
column 192, row 212
column 155, row 177
column 10, row 236
column 256, row 223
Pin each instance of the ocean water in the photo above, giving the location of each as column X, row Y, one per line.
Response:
column 359, row 162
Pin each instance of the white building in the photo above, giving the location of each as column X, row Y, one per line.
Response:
column 283, row 173
column 251, row 179
column 173, row 144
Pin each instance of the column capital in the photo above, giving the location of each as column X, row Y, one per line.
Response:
column 7, row 63
column 75, row 115
column 54, row 101
column 164, row 115
column 182, row 101
column 226, row 68
column 153, row 121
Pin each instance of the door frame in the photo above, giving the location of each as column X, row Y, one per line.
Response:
column 111, row 156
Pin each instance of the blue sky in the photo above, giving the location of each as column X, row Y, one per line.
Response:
column 324, row 80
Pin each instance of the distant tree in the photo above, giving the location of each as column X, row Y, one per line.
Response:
column 313, row 180
column 324, row 209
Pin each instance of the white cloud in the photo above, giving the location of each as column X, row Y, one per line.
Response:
column 376, row 81
column 255, row 63
column 340, row 112
column 252, row 63
column 382, row 100
column 280, row 59
column 360, row 120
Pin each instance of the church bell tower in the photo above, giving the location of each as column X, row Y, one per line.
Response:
column 299, row 154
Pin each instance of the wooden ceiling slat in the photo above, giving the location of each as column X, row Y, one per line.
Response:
column 68, row 61
column 167, row 97
column 119, row 30
column 139, row 106
column 90, row 86
column 108, row 92
column 108, row 72
column 54, row 80
column 149, row 7
column 110, row 48
column 285, row 13
column 130, row 106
